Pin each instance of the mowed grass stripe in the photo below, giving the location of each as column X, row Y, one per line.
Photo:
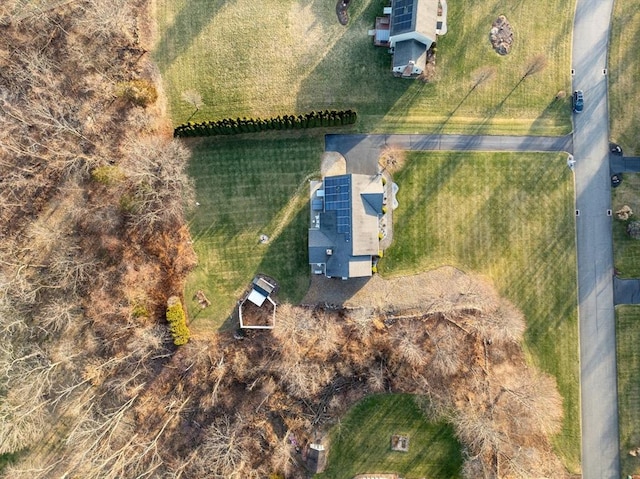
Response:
column 626, row 250
column 628, row 338
column 509, row 217
column 275, row 57
column 624, row 71
column 246, row 188
column 361, row 442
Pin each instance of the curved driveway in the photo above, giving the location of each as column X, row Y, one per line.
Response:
column 598, row 375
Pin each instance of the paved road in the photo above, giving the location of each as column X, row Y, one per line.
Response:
column 598, row 375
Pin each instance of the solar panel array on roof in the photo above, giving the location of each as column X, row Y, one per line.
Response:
column 402, row 15
column 337, row 197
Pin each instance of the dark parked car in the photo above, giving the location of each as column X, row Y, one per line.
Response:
column 578, row 101
column 616, row 180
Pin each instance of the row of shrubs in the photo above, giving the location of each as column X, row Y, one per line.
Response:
column 229, row 126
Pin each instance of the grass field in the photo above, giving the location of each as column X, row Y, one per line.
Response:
column 624, row 71
column 628, row 338
column 361, row 442
column 247, row 188
column 626, row 250
column 509, row 217
column 272, row 57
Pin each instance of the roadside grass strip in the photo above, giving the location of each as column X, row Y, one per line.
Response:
column 628, row 338
column 626, row 250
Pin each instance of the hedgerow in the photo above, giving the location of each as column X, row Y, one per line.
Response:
column 229, row 126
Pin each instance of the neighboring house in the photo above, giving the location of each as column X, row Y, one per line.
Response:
column 409, row 29
column 344, row 237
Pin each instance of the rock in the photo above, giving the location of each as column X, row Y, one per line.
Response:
column 501, row 35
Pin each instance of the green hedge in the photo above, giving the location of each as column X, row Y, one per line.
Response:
column 177, row 321
column 229, row 126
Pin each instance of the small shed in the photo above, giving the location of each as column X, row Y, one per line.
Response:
column 257, row 310
column 316, row 458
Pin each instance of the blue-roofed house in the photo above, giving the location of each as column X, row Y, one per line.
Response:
column 344, row 232
column 410, row 31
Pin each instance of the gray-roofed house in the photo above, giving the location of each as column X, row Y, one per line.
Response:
column 344, row 232
column 414, row 24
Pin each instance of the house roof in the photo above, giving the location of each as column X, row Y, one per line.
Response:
column 410, row 51
column 344, row 236
column 366, row 206
column 419, row 16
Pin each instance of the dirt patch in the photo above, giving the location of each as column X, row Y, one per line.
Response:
column 392, row 159
column 332, row 163
column 404, row 293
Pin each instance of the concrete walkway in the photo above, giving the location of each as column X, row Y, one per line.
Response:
column 598, row 373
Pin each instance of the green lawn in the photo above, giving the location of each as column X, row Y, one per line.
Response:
column 626, row 250
column 361, row 442
column 509, row 217
column 628, row 338
column 247, row 188
column 272, row 57
column 624, row 71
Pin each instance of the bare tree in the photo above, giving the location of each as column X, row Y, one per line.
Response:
column 226, row 449
column 193, row 98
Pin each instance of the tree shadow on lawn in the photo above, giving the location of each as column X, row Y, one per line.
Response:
column 286, row 261
column 187, row 25
column 557, row 109
column 353, row 73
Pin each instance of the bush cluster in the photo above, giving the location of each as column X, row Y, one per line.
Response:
column 177, row 321
column 229, row 126
column 139, row 92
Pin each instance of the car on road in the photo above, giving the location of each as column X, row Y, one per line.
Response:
column 578, row 101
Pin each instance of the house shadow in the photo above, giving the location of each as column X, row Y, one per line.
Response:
column 186, row 27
